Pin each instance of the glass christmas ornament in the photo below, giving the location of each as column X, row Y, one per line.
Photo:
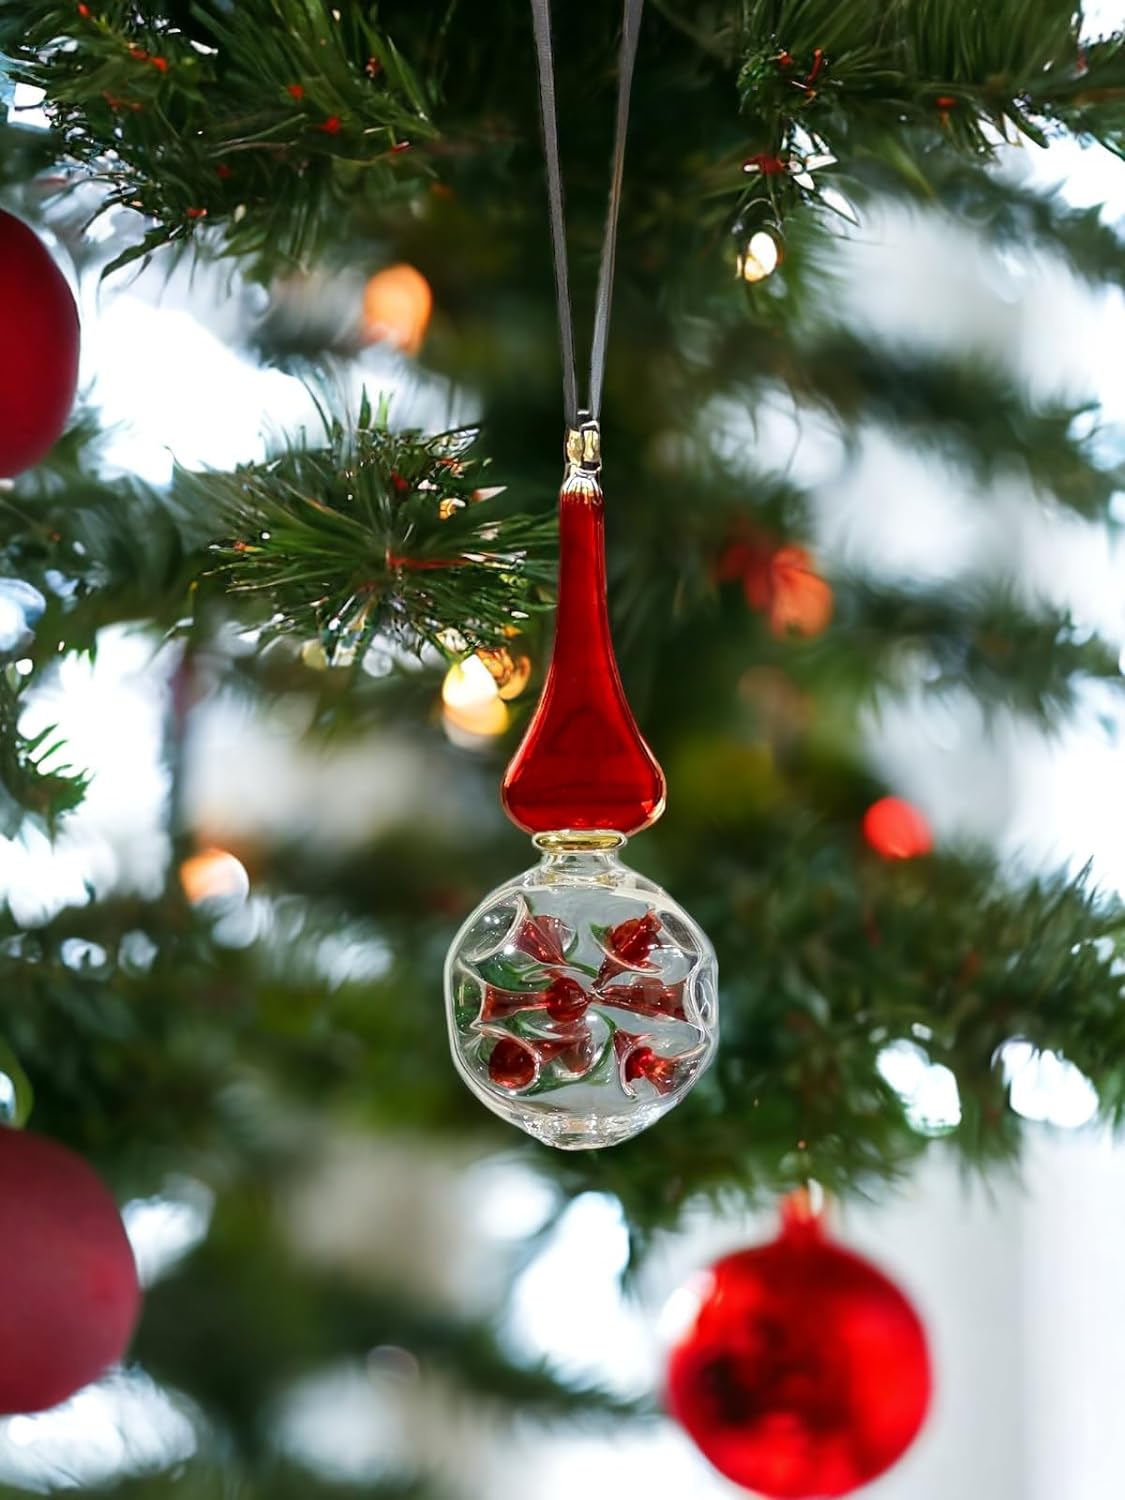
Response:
column 804, row 1371
column 582, row 1000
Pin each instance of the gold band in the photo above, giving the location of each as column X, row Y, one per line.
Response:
column 568, row 840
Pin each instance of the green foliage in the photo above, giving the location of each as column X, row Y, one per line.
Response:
column 376, row 532
column 916, row 81
column 828, row 954
column 261, row 121
column 923, row 397
column 242, row 1276
column 33, row 778
column 1010, row 215
column 275, row 128
column 18, row 1093
column 1007, row 655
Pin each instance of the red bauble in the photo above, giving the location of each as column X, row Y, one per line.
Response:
column 38, row 348
column 896, row 829
column 805, row 1372
column 68, row 1284
column 583, row 763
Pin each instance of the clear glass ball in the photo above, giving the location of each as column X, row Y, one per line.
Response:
column 582, row 1000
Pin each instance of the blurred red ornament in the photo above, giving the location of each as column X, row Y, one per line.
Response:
column 896, row 829
column 781, row 582
column 805, row 1371
column 38, row 345
column 583, row 763
column 70, row 1294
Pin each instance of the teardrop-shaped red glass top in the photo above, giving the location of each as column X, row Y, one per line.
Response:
column 583, row 762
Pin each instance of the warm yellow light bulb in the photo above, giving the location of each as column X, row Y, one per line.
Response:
column 471, row 702
column 511, row 674
column 761, row 257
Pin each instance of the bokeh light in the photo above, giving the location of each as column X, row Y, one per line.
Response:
column 214, row 877
column 896, row 829
column 397, row 303
column 761, row 257
column 471, row 703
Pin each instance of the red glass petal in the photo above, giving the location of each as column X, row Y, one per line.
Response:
column 576, row 1054
column 628, row 945
column 644, row 1063
column 512, row 1065
column 499, row 1004
column 583, row 762
column 647, row 997
column 544, row 938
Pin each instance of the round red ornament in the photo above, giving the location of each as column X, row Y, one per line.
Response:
column 70, row 1295
column 805, row 1371
column 38, row 348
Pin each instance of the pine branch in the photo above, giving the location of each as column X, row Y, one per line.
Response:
column 1009, row 214
column 375, row 532
column 100, row 551
column 828, row 954
column 35, row 780
column 1031, row 661
column 916, row 81
column 273, row 128
column 824, row 964
column 971, row 413
column 277, row 1319
column 262, row 134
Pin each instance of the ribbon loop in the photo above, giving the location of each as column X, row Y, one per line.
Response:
column 548, row 107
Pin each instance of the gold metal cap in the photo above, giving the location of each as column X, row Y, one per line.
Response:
column 584, row 445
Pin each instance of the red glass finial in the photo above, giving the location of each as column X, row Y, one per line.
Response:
column 583, row 762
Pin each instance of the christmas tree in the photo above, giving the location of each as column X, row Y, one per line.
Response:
column 841, row 496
